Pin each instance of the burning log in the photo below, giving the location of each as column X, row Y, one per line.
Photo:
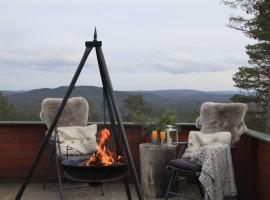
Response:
column 103, row 155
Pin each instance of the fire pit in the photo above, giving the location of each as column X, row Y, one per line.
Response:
column 94, row 173
column 101, row 166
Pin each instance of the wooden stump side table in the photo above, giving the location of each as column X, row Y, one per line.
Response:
column 153, row 162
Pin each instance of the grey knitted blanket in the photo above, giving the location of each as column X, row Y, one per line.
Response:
column 217, row 176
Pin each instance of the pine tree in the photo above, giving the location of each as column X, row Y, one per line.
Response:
column 255, row 24
column 194, row 115
column 6, row 109
column 254, row 81
column 135, row 109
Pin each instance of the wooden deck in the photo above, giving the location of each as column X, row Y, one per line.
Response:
column 112, row 191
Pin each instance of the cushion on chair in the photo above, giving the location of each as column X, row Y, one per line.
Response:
column 81, row 139
column 220, row 117
column 186, row 165
column 197, row 139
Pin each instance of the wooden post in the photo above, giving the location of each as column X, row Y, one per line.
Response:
column 153, row 162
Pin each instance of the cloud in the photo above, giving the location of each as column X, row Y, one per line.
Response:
column 178, row 62
column 37, row 60
column 141, row 39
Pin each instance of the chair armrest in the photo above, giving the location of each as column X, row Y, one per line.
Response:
column 183, row 146
column 177, row 143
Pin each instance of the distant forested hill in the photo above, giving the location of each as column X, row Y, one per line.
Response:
column 28, row 103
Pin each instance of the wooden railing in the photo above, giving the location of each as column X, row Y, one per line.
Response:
column 19, row 142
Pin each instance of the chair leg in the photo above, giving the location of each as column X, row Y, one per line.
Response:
column 59, row 177
column 127, row 189
column 102, row 189
column 170, row 183
column 198, row 183
column 46, row 173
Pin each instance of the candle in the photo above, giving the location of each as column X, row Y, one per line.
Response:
column 162, row 136
column 154, row 136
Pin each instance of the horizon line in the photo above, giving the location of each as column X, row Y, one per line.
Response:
column 137, row 90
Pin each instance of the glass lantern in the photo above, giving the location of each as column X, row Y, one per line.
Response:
column 172, row 134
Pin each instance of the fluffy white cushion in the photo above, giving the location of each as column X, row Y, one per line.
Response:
column 198, row 139
column 82, row 139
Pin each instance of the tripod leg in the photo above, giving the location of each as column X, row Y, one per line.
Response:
column 108, row 84
column 48, row 168
column 111, row 115
column 127, row 189
column 53, row 125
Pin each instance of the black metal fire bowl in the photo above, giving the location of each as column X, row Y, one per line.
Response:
column 96, row 173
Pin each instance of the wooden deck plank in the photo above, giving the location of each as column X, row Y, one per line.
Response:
column 112, row 192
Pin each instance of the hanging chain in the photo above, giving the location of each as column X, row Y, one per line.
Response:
column 57, row 142
column 104, row 109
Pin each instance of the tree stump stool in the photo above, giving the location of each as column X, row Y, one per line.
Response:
column 154, row 174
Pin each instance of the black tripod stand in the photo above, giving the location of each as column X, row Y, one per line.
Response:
column 113, row 113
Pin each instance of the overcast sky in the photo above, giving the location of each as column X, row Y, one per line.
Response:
column 148, row 44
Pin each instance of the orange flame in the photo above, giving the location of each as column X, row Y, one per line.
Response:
column 103, row 155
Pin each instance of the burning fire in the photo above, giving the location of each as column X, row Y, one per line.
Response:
column 103, row 155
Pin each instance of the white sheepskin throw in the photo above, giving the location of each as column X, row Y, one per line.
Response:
column 75, row 112
column 223, row 117
column 197, row 139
